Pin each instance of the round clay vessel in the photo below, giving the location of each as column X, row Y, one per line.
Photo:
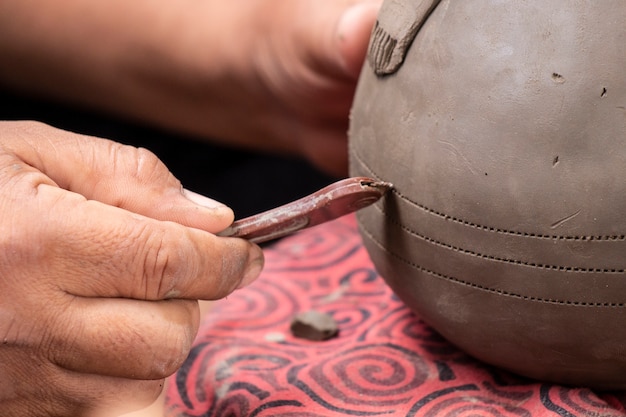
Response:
column 502, row 125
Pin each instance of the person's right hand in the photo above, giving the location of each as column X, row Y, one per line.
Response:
column 102, row 258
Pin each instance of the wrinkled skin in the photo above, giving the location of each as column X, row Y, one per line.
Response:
column 102, row 258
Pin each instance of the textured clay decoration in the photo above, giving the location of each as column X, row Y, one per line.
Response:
column 502, row 125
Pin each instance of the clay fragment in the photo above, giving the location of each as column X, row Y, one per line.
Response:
column 314, row 325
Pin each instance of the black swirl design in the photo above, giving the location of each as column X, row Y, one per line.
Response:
column 472, row 405
column 373, row 378
column 314, row 249
column 581, row 401
column 266, row 304
column 385, row 362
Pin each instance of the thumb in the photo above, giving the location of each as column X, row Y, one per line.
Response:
column 123, row 176
column 353, row 33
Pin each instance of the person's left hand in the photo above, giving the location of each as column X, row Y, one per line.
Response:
column 308, row 55
column 273, row 75
column 265, row 74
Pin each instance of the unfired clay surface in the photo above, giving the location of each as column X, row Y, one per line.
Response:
column 503, row 130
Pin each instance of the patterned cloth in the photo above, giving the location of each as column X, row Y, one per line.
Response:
column 385, row 361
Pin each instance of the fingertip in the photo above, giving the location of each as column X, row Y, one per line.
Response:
column 353, row 34
column 254, row 267
column 219, row 214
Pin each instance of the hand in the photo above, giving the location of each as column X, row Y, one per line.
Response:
column 299, row 63
column 266, row 74
column 102, row 258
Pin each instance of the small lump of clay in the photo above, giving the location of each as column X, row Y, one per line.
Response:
column 314, row 325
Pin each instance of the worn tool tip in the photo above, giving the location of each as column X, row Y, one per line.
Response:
column 377, row 184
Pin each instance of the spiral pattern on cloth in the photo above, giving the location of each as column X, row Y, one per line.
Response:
column 373, row 376
column 386, row 361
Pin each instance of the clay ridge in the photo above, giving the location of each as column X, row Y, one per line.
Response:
column 487, row 289
column 394, row 31
column 486, row 228
column 499, row 259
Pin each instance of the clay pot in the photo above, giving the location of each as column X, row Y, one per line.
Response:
column 502, row 125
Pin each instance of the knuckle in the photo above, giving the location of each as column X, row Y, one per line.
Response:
column 176, row 263
column 159, row 261
column 148, row 168
column 138, row 165
column 163, row 265
column 146, row 163
column 175, row 268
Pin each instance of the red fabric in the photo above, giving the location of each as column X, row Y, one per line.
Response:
column 385, row 361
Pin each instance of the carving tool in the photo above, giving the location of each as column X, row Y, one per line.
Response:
column 331, row 202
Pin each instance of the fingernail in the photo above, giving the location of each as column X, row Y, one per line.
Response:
column 254, row 267
column 202, row 200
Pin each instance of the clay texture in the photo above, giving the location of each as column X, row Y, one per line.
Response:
column 503, row 130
